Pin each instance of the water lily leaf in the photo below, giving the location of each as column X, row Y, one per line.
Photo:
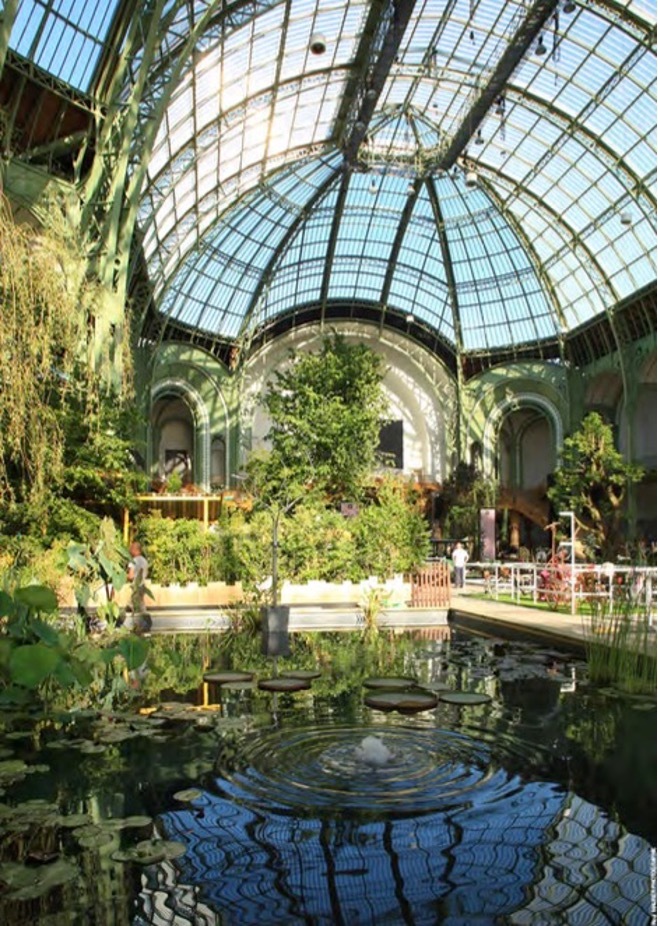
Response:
column 90, row 748
column 134, row 822
column 227, row 675
column 39, row 597
column 406, row 702
column 45, row 878
column 188, row 794
column 283, row 684
column 392, row 682
column 32, row 664
column 95, row 840
column 464, row 697
column 302, row 673
column 74, row 821
column 11, row 768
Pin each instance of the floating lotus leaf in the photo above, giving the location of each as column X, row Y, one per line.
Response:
column 134, row 822
column 87, row 829
column 90, row 748
column 150, row 851
column 238, row 686
column 227, row 675
column 74, row 821
column 434, row 686
column 307, row 674
column 188, row 794
column 406, row 702
column 40, row 879
column 389, row 683
column 118, row 735
column 282, row 683
column 464, row 697
column 12, row 768
column 96, row 840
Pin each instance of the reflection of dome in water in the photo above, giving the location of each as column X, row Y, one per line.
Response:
column 466, row 835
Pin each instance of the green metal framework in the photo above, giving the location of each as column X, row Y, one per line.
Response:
column 419, row 165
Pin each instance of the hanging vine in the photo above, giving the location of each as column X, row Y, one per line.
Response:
column 45, row 299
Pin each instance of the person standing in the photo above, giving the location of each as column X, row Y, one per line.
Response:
column 459, row 560
column 138, row 569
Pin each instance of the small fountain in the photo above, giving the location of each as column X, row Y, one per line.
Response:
column 374, row 752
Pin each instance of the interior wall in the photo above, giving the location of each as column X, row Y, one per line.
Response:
column 419, row 390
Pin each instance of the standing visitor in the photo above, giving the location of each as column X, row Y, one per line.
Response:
column 459, row 559
column 138, row 569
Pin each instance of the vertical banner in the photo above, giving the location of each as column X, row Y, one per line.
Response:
column 487, row 534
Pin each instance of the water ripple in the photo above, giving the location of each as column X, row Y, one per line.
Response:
column 380, row 769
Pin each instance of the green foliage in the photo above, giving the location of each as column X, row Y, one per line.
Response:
column 179, row 551
column 592, row 481
column 390, row 532
column 462, row 496
column 326, row 410
column 621, row 650
column 64, row 439
column 100, row 472
column 97, row 568
column 41, row 658
column 315, row 542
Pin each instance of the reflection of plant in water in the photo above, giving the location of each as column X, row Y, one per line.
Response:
column 373, row 601
column 176, row 662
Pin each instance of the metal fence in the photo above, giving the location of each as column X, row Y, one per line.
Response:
column 606, row 587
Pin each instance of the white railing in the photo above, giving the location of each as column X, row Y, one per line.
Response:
column 610, row 587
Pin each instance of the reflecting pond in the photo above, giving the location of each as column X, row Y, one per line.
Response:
column 489, row 784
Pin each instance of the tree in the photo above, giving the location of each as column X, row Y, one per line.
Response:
column 592, row 481
column 327, row 409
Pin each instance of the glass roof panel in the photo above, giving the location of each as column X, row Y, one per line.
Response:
column 238, row 212
column 64, row 37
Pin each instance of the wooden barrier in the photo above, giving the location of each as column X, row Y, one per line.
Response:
column 430, row 586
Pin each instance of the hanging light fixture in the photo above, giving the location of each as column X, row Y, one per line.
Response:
column 569, row 7
column 373, row 186
column 626, row 218
column 471, row 179
column 478, row 138
column 318, row 44
column 541, row 48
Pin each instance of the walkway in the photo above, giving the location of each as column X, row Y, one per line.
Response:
column 472, row 611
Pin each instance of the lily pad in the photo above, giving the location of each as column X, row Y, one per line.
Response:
column 464, row 697
column 281, row 683
column 188, row 794
column 150, row 851
column 32, row 882
column 136, row 821
column 96, row 840
column 390, row 682
column 405, row 702
column 227, row 675
column 306, row 674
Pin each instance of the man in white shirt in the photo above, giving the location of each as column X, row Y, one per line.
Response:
column 459, row 559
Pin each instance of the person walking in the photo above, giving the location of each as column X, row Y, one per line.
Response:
column 459, row 560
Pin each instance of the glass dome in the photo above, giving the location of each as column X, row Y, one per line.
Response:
column 479, row 174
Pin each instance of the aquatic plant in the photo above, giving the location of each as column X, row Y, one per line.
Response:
column 620, row 648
